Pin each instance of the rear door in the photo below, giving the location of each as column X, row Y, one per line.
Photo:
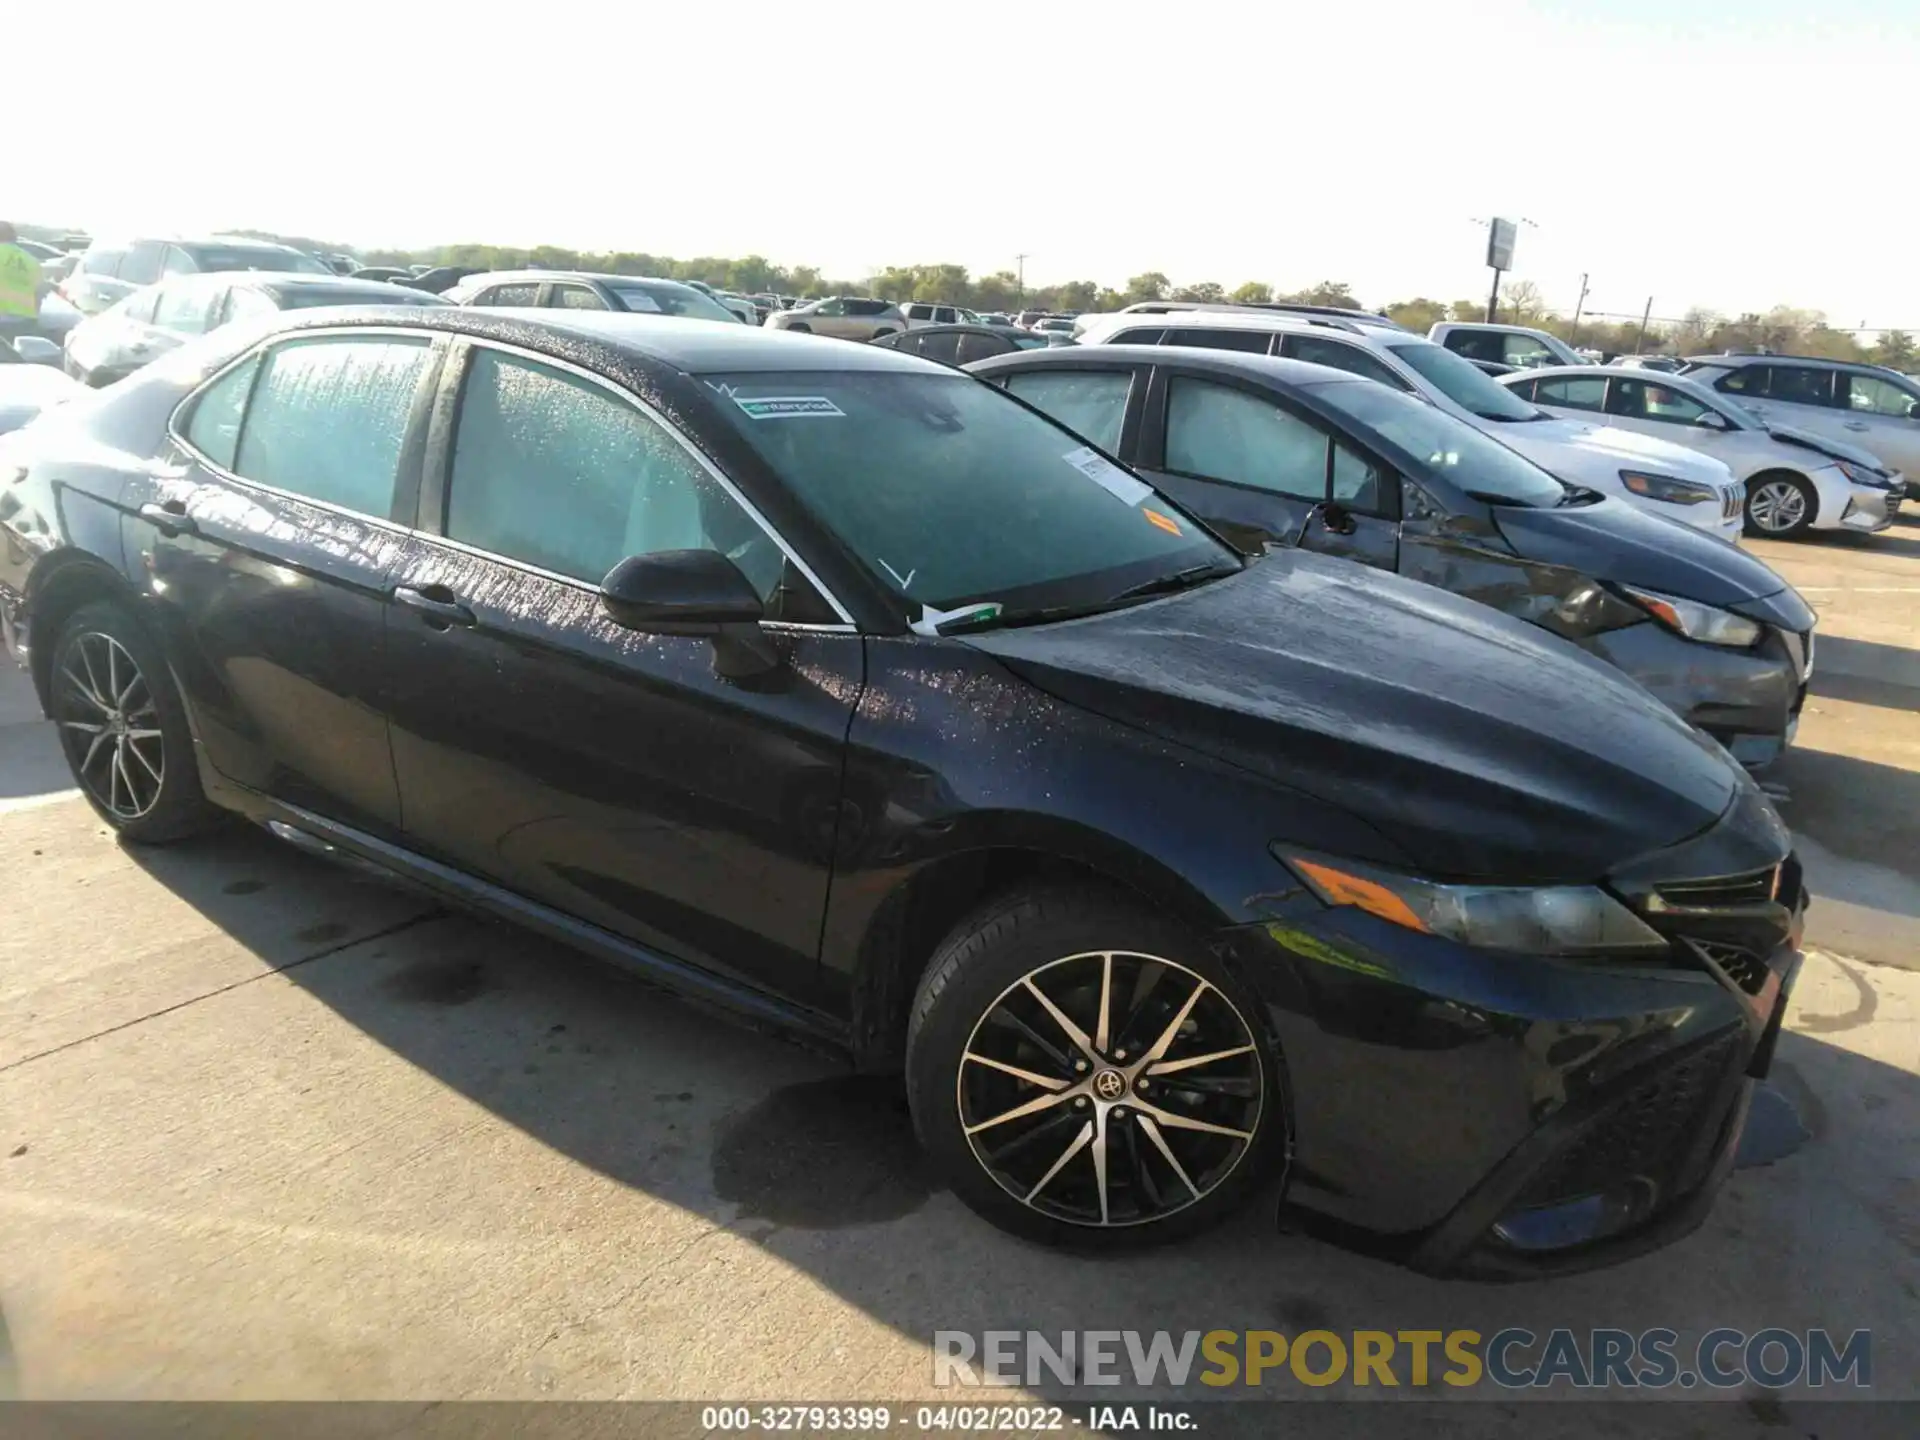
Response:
column 1572, row 397
column 615, row 776
column 1263, row 473
column 267, row 545
column 1640, row 402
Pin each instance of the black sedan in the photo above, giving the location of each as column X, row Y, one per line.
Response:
column 838, row 687
column 1280, row 452
column 962, row 344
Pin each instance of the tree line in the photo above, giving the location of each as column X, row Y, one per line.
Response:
column 1784, row 328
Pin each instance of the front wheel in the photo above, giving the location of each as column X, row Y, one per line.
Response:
column 1086, row 1073
column 1781, row 507
column 123, row 728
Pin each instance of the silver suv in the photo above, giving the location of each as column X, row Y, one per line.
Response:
column 847, row 317
column 1865, row 405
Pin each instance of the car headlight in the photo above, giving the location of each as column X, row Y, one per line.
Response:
column 1665, row 487
column 1861, row 475
column 1706, row 623
column 1530, row 920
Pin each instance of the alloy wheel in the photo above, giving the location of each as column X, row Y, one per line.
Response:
column 1777, row 505
column 109, row 726
column 1110, row 1088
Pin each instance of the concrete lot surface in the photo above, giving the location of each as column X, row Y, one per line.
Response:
column 271, row 1131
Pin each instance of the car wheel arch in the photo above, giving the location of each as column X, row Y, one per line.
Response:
column 906, row 928
column 61, row 583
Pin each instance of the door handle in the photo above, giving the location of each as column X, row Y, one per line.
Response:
column 437, row 608
column 1856, row 424
column 170, row 518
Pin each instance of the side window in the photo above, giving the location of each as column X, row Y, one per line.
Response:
column 247, row 304
column 1644, row 400
column 1521, row 351
column 919, row 312
column 1524, row 389
column 1218, row 433
column 526, row 294
column 178, row 262
column 943, row 346
column 1878, row 397
column 139, row 306
column 1475, row 344
column 213, row 427
column 980, row 347
column 1092, row 403
column 1801, row 385
column 1747, row 380
column 1358, row 483
column 1341, row 356
column 142, row 265
column 832, row 308
column 184, row 306
column 575, row 297
column 1573, row 392
column 943, row 315
column 1139, row 337
column 560, row 473
column 328, row 418
column 1251, row 342
column 101, row 260
column 865, row 307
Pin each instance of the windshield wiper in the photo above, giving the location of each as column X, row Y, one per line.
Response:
column 1179, row 580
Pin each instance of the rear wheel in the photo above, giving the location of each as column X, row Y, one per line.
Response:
column 800, row 329
column 1086, row 1073
column 123, row 728
column 1781, row 507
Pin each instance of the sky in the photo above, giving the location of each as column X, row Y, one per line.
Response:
column 1728, row 155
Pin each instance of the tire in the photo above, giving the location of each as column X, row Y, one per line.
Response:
column 881, row 334
column 799, row 329
column 1163, row 1181
column 1780, row 506
column 125, row 737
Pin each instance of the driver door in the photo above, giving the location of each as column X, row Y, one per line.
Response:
column 611, row 775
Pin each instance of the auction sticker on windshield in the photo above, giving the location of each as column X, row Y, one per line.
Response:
column 787, row 407
column 1107, row 475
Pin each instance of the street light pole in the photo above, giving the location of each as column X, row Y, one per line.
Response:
column 1020, row 289
column 1645, row 315
column 1573, row 336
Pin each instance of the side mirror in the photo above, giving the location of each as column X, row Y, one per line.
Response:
column 679, row 592
column 1913, row 409
column 1710, row 420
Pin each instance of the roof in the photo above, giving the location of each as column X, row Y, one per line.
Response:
column 225, row 242
column 1262, row 320
column 1190, row 357
column 1680, row 384
column 494, row 277
column 1819, row 362
column 287, row 282
column 697, row 347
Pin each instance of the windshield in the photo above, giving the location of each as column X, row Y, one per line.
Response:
column 247, row 257
column 670, row 300
column 1434, row 443
column 954, row 494
column 1462, row 382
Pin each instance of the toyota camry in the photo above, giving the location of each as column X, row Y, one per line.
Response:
column 844, row 689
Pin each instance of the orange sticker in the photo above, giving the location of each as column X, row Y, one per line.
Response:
column 1156, row 518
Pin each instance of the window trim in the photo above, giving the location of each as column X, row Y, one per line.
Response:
column 437, row 472
column 1606, row 393
column 406, row 489
column 1132, row 414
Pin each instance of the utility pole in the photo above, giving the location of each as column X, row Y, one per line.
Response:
column 1645, row 316
column 1021, row 284
column 1493, row 298
column 1573, row 335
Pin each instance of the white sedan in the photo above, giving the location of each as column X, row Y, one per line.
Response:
column 1795, row 481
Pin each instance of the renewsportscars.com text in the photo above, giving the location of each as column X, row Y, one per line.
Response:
column 1512, row 1358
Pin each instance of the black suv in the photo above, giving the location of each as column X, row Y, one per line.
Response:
column 836, row 686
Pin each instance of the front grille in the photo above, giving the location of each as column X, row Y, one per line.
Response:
column 1644, row 1134
column 1733, row 503
column 1756, row 887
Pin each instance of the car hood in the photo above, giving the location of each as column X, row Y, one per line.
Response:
column 1834, row 449
column 1482, row 746
column 1614, row 540
column 1542, row 441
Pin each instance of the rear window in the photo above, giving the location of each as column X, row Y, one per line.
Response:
column 254, row 257
column 669, row 300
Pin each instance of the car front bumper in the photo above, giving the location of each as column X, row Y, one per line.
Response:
column 1499, row 1116
column 1870, row 510
column 1748, row 700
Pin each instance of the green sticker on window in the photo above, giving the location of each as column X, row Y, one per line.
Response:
column 782, row 407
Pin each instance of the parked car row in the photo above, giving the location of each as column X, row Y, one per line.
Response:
column 866, row 697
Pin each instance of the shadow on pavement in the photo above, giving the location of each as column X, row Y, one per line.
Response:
column 1856, row 808
column 820, row 1168
column 1867, row 672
